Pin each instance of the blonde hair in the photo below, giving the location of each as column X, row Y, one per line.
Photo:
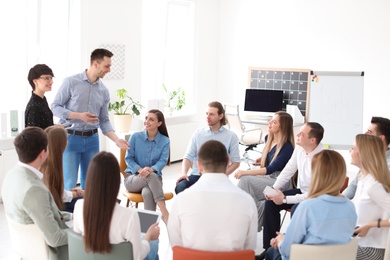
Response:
column 328, row 172
column 373, row 158
column 286, row 135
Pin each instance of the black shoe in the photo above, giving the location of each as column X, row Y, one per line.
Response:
column 261, row 256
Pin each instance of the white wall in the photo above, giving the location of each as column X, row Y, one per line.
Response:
column 349, row 35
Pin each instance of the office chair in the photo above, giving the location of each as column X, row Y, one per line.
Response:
column 249, row 138
column 192, row 254
column 325, row 252
column 133, row 196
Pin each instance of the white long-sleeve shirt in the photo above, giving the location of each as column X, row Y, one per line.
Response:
column 372, row 202
column 302, row 162
column 67, row 196
column 213, row 215
column 125, row 226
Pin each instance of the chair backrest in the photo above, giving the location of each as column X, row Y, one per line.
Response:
column 387, row 250
column 122, row 162
column 325, row 252
column 233, row 117
column 28, row 241
column 77, row 250
column 345, row 185
column 180, row 253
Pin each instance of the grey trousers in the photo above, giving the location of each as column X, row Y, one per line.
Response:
column 150, row 188
column 255, row 185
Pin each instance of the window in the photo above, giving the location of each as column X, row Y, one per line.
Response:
column 42, row 31
column 178, row 63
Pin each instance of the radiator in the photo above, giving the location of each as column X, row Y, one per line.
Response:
column 8, row 159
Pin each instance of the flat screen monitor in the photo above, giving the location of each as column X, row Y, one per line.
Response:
column 263, row 100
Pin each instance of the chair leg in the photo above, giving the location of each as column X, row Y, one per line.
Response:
column 127, row 203
column 247, row 159
column 136, row 205
column 284, row 216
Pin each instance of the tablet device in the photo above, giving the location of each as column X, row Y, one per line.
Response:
column 147, row 218
column 269, row 191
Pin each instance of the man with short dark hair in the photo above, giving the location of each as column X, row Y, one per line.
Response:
column 308, row 144
column 82, row 105
column 214, row 130
column 213, row 214
column 380, row 127
column 27, row 200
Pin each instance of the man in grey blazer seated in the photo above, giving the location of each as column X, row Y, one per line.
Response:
column 27, row 200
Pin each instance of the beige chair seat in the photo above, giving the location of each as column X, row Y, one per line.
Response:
column 325, row 252
column 28, row 241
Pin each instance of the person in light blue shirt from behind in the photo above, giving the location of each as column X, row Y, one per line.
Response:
column 82, row 106
column 148, row 155
column 214, row 130
column 325, row 217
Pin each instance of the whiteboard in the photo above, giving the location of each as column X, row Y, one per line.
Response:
column 336, row 102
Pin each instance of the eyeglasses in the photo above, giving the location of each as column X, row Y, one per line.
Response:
column 48, row 78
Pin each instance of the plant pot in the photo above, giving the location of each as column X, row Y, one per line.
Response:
column 123, row 123
column 169, row 110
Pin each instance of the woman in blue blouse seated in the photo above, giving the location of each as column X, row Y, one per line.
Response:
column 325, row 217
column 276, row 153
column 149, row 153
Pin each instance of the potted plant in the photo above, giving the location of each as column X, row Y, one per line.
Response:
column 175, row 99
column 124, row 110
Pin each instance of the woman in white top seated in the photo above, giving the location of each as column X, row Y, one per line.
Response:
column 102, row 221
column 372, row 198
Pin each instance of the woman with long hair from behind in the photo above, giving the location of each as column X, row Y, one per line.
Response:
column 52, row 169
column 149, row 153
column 101, row 220
column 325, row 217
column 372, row 198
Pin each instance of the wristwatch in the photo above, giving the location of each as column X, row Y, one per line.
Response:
column 285, row 200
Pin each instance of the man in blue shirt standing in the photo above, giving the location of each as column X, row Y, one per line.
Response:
column 81, row 104
column 214, row 130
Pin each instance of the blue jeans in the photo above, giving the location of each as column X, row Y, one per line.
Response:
column 69, row 206
column 184, row 184
column 153, row 253
column 78, row 154
column 273, row 254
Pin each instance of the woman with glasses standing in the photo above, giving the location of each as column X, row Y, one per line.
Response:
column 37, row 111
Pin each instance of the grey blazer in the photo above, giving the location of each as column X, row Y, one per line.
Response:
column 27, row 201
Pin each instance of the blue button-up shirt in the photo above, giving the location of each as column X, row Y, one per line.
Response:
column 202, row 135
column 147, row 153
column 78, row 94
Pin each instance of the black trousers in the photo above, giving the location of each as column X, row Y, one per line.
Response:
column 272, row 217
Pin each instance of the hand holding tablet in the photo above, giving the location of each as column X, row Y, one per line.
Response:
column 269, row 191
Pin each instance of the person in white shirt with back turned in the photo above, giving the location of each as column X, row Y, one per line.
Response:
column 213, row 214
